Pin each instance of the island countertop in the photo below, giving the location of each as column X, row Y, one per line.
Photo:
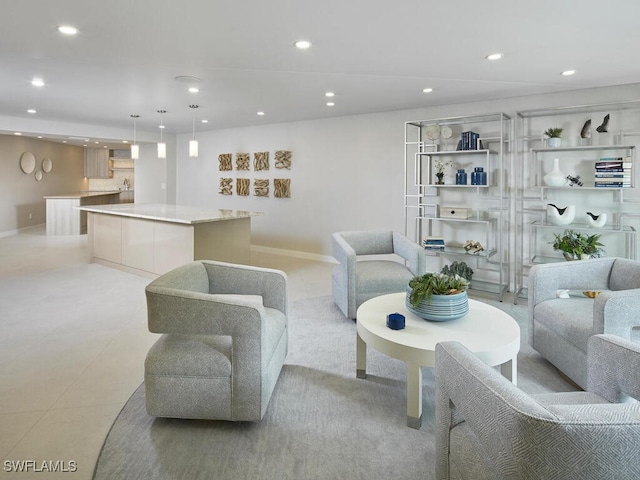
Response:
column 84, row 194
column 169, row 213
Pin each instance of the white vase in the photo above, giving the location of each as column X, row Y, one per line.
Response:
column 555, row 178
column 596, row 221
column 561, row 216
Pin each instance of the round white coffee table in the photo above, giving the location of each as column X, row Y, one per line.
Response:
column 490, row 333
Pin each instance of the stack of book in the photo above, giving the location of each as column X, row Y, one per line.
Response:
column 433, row 243
column 613, row 172
column 469, row 141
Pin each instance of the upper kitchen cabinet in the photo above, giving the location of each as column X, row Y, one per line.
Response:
column 97, row 163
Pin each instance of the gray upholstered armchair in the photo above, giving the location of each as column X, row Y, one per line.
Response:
column 354, row 282
column 487, row 428
column 559, row 328
column 224, row 341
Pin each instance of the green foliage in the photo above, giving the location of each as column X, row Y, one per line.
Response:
column 458, row 268
column 576, row 244
column 553, row 132
column 429, row 284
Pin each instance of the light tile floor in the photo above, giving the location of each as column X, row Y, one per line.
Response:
column 73, row 338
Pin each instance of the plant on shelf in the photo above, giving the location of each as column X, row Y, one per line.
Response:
column 553, row 132
column 458, row 268
column 441, row 164
column 554, row 140
column 425, row 286
column 577, row 246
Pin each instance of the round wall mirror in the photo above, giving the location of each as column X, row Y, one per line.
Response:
column 47, row 165
column 27, row 162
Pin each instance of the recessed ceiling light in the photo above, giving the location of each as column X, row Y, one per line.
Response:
column 37, row 82
column 330, row 104
column 160, row 126
column 204, row 120
column 17, row 133
column 194, row 89
column 494, row 56
column 68, row 30
column 567, row 73
column 259, row 113
column 303, row 44
column 32, row 110
column 64, row 141
column 329, row 94
column 125, row 141
column 97, row 143
column 39, row 136
column 427, row 90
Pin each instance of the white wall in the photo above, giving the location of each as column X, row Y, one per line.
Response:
column 347, row 172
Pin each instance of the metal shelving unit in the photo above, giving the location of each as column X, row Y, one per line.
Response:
column 487, row 206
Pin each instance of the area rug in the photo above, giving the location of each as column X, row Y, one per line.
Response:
column 322, row 422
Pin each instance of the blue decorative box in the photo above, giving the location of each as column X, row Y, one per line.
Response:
column 395, row 321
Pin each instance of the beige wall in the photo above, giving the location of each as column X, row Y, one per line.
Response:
column 21, row 202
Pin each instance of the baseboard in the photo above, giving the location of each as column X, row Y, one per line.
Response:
column 293, row 253
column 10, row 233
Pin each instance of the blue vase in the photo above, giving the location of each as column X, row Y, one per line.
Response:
column 478, row 176
column 461, row 177
column 441, row 308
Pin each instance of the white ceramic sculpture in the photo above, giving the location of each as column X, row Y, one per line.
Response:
column 596, row 221
column 561, row 216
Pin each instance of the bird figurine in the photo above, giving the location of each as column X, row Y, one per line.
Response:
column 604, row 127
column 596, row 221
column 561, row 216
column 586, row 129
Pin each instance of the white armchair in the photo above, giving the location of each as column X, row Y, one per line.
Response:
column 356, row 281
column 559, row 328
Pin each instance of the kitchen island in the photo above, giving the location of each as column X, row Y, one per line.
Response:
column 63, row 218
column 151, row 239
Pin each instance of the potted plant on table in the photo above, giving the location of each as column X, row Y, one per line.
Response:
column 438, row 296
column 578, row 246
column 553, row 134
column 441, row 164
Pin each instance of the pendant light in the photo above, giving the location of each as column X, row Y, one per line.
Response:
column 135, row 150
column 162, row 146
column 193, row 143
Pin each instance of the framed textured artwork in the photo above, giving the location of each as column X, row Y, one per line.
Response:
column 225, row 162
column 261, row 187
column 242, row 161
column 261, row 161
column 226, row 186
column 282, row 187
column 242, row 187
column 283, row 159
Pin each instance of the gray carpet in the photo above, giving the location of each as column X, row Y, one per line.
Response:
column 322, row 422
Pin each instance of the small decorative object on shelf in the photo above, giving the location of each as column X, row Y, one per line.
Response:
column 553, row 134
column 561, row 216
column 555, row 178
column 471, row 246
column 578, row 246
column 433, row 132
column 573, row 181
column 478, row 176
column 469, row 141
column 596, row 221
column 438, row 297
column 586, row 130
column 604, row 126
column 458, row 268
column 441, row 165
column 461, row 177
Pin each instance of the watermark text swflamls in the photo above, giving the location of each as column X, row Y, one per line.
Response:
column 40, row 466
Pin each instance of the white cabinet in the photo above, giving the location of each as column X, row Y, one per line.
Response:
column 577, row 156
column 97, row 163
column 458, row 213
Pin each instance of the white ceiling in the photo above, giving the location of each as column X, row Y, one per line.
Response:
column 376, row 55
